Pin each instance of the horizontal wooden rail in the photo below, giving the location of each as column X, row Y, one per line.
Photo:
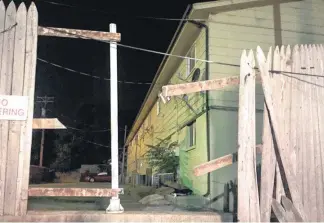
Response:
column 217, row 84
column 77, row 33
column 219, row 163
column 73, row 192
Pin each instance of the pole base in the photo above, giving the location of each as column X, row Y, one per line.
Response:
column 115, row 206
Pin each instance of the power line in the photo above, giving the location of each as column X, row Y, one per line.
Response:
column 82, row 130
column 185, row 57
column 94, row 143
column 89, row 75
column 78, row 129
column 178, row 19
column 110, row 14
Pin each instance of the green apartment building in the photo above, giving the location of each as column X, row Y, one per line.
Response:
column 205, row 124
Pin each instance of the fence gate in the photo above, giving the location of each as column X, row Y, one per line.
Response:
column 292, row 151
column 19, row 32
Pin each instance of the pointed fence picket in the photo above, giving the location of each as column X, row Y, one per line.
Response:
column 18, row 45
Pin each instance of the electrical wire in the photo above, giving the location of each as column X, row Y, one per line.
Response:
column 78, row 129
column 109, row 13
column 89, row 75
column 94, row 143
column 182, row 57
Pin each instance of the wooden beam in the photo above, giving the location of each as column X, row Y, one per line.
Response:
column 77, row 33
column 219, row 163
column 47, row 123
column 72, row 192
column 217, row 84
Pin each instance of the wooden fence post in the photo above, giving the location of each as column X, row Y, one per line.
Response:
column 5, row 89
column 29, row 90
column 15, row 158
column 248, row 199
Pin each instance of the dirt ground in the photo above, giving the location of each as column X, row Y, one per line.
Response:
column 129, row 199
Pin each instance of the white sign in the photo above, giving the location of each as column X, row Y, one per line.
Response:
column 13, row 107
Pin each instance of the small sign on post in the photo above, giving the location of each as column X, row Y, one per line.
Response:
column 13, row 107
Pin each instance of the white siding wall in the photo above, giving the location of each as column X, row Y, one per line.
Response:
column 232, row 31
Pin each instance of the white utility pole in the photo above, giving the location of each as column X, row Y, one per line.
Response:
column 114, row 206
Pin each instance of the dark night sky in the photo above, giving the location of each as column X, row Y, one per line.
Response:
column 81, row 101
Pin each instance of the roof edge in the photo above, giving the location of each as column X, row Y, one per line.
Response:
column 170, row 48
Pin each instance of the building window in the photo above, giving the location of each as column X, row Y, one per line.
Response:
column 192, row 134
column 190, row 62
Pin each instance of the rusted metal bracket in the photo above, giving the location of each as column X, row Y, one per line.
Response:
column 73, row 192
column 78, row 33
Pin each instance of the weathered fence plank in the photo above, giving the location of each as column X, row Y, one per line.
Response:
column 268, row 160
column 5, row 89
column 319, row 70
column 294, row 114
column 304, row 122
column 3, row 157
column 286, row 101
column 296, row 106
column 29, row 90
column 14, row 156
column 248, row 200
column 283, row 152
column 277, row 85
column 312, row 131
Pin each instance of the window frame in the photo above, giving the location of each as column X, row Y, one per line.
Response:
column 192, row 140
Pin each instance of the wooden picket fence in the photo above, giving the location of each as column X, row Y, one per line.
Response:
column 293, row 137
column 18, row 48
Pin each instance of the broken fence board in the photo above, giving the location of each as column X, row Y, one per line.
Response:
column 47, row 123
column 279, row 211
column 77, row 33
column 181, row 89
column 219, row 163
column 268, row 160
column 290, row 209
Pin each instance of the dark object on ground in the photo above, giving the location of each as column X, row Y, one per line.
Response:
column 39, row 175
column 179, row 191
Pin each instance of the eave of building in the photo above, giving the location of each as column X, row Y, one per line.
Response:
column 187, row 35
